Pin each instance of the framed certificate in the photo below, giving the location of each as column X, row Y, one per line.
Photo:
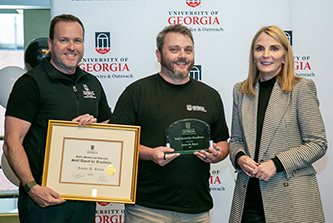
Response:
column 97, row 162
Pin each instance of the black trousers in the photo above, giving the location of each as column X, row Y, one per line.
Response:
column 253, row 216
column 253, row 208
column 69, row 212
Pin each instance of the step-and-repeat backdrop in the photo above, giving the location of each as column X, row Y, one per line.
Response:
column 120, row 48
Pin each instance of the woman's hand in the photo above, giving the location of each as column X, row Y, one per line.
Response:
column 248, row 165
column 266, row 171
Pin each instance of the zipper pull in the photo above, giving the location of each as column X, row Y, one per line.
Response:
column 74, row 89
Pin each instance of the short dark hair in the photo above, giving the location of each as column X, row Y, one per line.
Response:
column 177, row 28
column 63, row 18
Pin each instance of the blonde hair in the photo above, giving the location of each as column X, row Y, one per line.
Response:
column 286, row 77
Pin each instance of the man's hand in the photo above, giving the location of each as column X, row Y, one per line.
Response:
column 159, row 155
column 217, row 153
column 45, row 196
column 85, row 119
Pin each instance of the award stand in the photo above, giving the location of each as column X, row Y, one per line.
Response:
column 186, row 136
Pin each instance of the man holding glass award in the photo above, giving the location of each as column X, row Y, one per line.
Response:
column 178, row 116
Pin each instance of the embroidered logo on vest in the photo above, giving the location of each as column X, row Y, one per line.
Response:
column 88, row 93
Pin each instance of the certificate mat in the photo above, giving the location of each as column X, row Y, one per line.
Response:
column 97, row 162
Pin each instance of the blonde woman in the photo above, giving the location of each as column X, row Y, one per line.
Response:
column 277, row 134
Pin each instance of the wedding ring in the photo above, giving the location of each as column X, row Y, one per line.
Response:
column 205, row 158
column 164, row 157
column 262, row 178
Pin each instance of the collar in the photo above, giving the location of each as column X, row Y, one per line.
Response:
column 268, row 83
column 175, row 85
column 54, row 73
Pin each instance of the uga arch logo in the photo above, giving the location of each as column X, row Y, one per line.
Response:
column 193, row 3
column 195, row 72
column 289, row 35
column 102, row 42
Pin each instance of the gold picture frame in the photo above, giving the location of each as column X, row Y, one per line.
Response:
column 96, row 162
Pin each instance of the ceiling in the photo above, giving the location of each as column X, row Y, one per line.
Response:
column 23, row 4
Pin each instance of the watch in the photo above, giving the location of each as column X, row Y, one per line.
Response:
column 29, row 185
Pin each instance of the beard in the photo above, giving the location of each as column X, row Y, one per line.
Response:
column 61, row 63
column 168, row 64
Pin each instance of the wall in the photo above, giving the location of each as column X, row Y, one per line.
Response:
column 36, row 24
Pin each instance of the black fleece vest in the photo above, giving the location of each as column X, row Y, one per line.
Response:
column 60, row 98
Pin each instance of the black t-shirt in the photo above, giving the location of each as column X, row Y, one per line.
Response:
column 152, row 103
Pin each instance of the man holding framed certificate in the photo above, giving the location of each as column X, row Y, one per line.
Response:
column 180, row 112
column 55, row 89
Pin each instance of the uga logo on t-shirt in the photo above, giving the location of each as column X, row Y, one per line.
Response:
column 196, row 108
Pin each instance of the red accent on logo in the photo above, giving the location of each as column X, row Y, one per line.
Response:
column 195, row 20
column 302, row 65
column 103, row 51
column 104, row 67
column 193, row 4
column 103, row 203
column 214, row 180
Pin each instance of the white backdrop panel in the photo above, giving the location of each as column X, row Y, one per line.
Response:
column 221, row 49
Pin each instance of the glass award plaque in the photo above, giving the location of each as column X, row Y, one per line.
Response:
column 186, row 136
